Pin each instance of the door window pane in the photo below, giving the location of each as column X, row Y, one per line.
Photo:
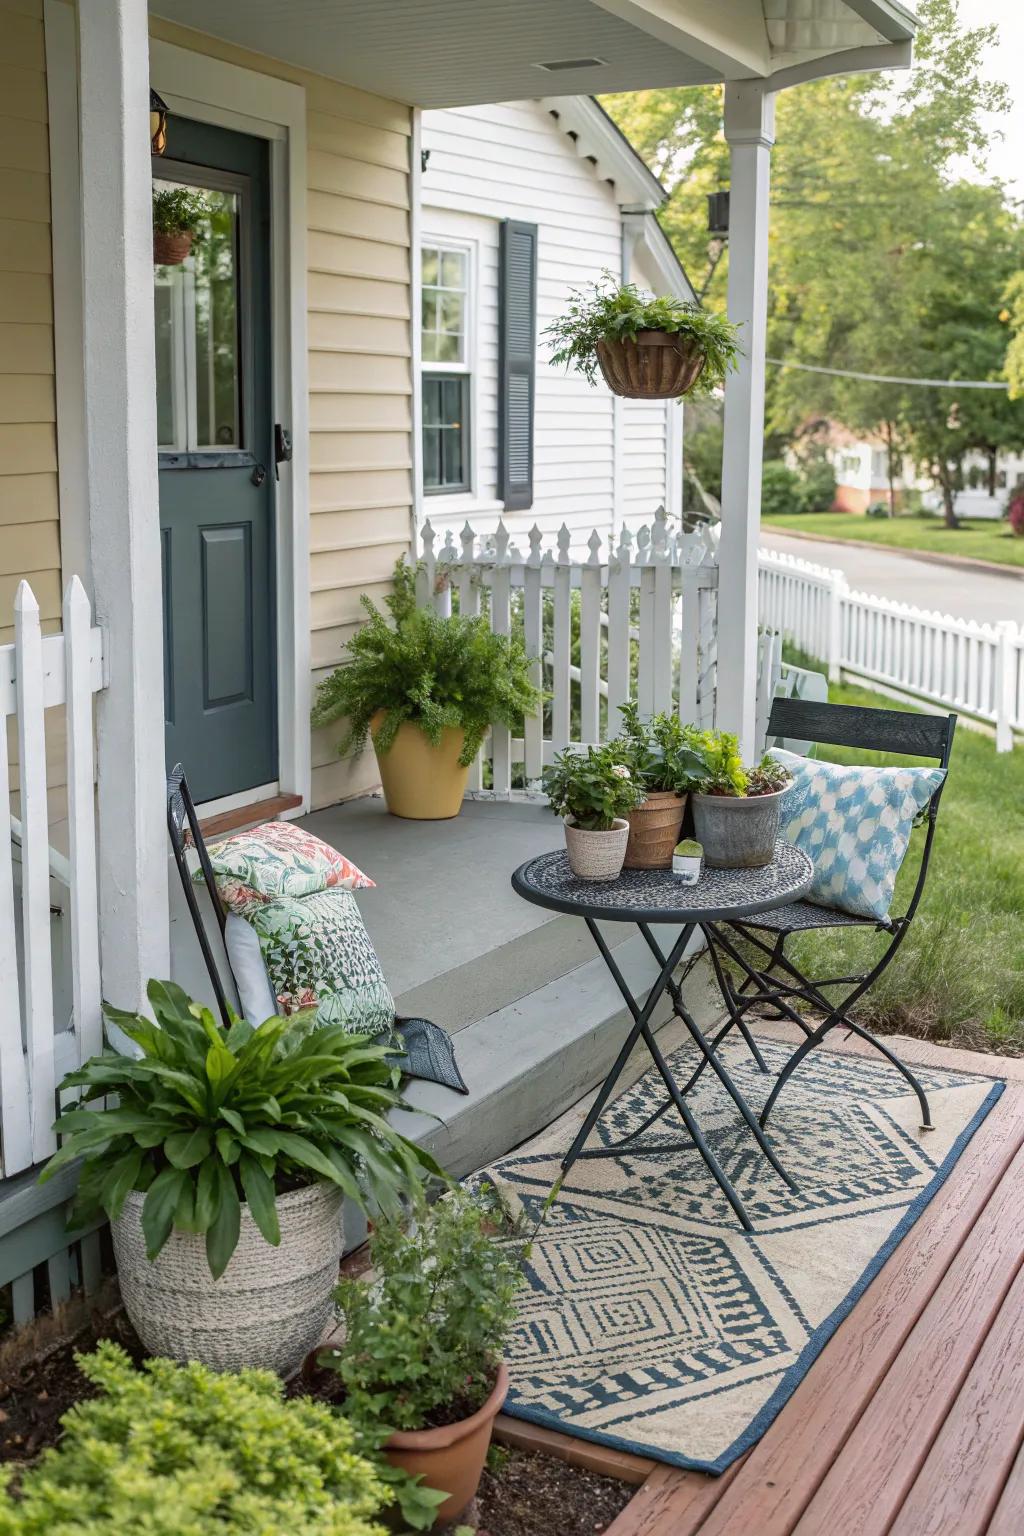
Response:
column 197, row 333
column 445, row 432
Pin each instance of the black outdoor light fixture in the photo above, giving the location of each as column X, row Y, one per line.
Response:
column 718, row 214
column 157, row 122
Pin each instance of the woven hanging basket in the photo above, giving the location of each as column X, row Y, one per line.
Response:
column 171, row 250
column 657, row 366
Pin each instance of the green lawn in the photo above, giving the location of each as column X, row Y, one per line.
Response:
column 978, row 538
column 959, row 976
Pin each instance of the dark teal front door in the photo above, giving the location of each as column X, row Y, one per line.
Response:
column 216, row 438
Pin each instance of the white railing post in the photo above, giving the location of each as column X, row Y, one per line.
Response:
column 836, row 593
column 561, row 645
column 1005, row 683
column 619, row 591
column 501, row 624
column 533, row 639
column 85, row 969
column 590, row 643
column 14, row 1087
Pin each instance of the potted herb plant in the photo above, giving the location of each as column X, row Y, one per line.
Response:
column 425, row 689
column 177, row 215
column 688, row 861
column 594, row 792
column 665, row 759
column 421, row 1362
column 736, row 809
column 222, row 1167
column 646, row 348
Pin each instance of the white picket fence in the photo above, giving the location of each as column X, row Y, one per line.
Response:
column 653, row 599
column 976, row 669
column 41, row 889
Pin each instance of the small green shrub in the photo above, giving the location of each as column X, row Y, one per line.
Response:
column 817, row 485
column 206, row 1118
column 781, row 489
column 593, row 787
column 177, row 211
column 661, row 753
column 174, row 1450
column 726, row 775
column 609, row 311
column 434, row 672
column 425, row 1332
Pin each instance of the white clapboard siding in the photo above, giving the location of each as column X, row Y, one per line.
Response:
column 512, row 160
column 37, row 673
column 976, row 669
column 658, row 596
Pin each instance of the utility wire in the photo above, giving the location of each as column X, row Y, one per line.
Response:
column 888, row 378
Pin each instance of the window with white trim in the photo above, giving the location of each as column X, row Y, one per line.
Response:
column 446, row 367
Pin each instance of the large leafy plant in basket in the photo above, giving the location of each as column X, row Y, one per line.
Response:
column 433, row 671
column 207, row 1118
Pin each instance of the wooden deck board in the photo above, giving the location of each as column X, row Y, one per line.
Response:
column 911, row 1422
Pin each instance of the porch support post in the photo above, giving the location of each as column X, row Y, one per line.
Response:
column 123, row 496
column 750, row 132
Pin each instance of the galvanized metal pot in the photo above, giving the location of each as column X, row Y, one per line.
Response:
column 737, row 831
column 596, row 855
column 654, row 830
column 270, row 1306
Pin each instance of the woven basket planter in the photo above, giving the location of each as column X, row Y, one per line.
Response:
column 654, row 830
column 270, row 1306
column 737, row 831
column 171, row 250
column 596, row 855
column 657, row 366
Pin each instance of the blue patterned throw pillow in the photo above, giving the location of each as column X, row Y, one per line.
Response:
column 855, row 824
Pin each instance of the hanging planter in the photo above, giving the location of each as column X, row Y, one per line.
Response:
column 656, row 366
column 178, row 215
column 646, row 348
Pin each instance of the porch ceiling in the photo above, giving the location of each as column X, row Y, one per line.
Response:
column 437, row 53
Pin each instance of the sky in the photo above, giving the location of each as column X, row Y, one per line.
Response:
column 1005, row 61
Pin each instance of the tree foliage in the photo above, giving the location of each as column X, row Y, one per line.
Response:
column 890, row 253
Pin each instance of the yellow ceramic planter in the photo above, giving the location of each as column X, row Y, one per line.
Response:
column 421, row 782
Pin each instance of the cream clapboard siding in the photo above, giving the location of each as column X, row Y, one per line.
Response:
column 29, row 518
column 512, row 160
column 359, row 362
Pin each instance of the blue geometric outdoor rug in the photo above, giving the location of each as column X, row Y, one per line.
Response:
column 650, row 1321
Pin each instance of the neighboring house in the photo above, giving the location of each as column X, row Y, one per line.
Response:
column 861, row 465
column 523, row 202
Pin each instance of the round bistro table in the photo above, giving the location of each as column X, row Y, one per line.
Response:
column 649, row 897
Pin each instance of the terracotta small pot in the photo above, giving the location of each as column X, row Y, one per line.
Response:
column 452, row 1458
column 171, row 250
column 657, row 366
column 421, row 782
column 654, row 829
column 596, row 855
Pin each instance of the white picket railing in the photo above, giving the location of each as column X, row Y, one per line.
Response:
column 651, row 600
column 38, row 673
column 976, row 669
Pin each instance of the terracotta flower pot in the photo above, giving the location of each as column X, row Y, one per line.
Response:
column 657, row 366
column 596, row 855
column 421, row 782
column 450, row 1459
column 654, row 830
column 171, row 250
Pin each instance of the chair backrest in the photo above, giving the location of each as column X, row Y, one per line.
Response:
column 873, row 730
column 182, row 823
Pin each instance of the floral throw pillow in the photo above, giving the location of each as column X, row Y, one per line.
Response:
column 855, row 824
column 278, row 859
column 318, row 953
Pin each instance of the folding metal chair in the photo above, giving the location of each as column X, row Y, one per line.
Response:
column 770, row 979
column 181, row 815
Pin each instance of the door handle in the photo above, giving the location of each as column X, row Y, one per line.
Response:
column 258, row 475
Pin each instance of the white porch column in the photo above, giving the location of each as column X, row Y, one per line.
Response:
column 749, row 130
column 120, row 415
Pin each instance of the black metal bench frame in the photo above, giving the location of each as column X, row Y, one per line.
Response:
column 775, row 983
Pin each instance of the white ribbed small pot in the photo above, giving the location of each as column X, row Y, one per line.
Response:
column 270, row 1306
column 596, row 855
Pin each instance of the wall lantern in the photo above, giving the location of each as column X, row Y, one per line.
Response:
column 157, row 123
column 718, row 214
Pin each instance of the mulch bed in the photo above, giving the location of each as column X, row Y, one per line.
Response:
column 526, row 1494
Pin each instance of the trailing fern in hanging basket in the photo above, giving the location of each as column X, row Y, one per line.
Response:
column 646, row 348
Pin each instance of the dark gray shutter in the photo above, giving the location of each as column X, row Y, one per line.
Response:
column 517, row 354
